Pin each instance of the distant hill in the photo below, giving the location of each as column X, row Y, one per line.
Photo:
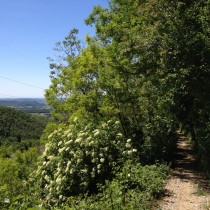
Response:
column 31, row 105
column 16, row 125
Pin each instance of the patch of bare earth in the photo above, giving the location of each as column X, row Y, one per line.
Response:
column 186, row 188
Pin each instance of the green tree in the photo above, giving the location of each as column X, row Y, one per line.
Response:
column 148, row 67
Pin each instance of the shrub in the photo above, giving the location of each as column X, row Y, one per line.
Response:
column 79, row 157
column 133, row 188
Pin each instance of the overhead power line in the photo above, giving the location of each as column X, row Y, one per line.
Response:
column 23, row 83
column 15, row 50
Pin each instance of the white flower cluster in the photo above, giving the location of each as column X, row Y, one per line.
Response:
column 83, row 153
column 129, row 150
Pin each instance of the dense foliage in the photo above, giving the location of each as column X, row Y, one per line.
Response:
column 80, row 157
column 133, row 188
column 20, row 128
column 148, row 67
column 19, row 149
column 119, row 101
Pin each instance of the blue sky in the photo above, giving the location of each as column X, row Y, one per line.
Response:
column 29, row 31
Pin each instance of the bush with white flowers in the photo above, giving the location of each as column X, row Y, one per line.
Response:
column 81, row 156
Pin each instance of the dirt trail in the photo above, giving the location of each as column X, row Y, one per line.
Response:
column 185, row 187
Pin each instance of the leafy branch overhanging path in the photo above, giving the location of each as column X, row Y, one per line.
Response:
column 186, row 188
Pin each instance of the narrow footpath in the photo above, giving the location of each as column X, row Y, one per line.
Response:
column 186, row 188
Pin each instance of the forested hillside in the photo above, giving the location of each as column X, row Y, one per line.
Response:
column 118, row 102
column 17, row 126
column 20, row 147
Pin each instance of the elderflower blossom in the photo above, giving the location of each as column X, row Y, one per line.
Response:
column 128, row 140
column 104, row 125
column 105, row 149
column 69, row 142
column 110, row 121
column 134, row 150
column 86, row 127
column 93, row 154
column 119, row 134
column 98, row 166
column 69, row 163
column 59, row 143
column 84, row 171
column 61, row 149
column 47, row 178
column 96, row 130
column 117, row 122
column 78, row 140
column 96, row 133
column 79, row 160
column 93, row 174
column 89, row 138
column 58, row 180
column 71, row 171
column 51, row 157
column 101, row 155
column 127, row 145
column 69, row 135
column 75, row 119
column 44, row 154
column 102, row 160
column 81, row 134
column 91, row 143
column 49, row 196
column 129, row 152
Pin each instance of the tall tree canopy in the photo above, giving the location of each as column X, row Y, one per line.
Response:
column 147, row 67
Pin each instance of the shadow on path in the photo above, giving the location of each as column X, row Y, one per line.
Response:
column 185, row 166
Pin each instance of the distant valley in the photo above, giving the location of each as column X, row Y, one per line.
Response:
column 30, row 105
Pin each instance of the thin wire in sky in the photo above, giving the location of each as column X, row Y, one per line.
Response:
column 23, row 83
column 15, row 50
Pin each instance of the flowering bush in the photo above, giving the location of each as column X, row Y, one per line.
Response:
column 134, row 187
column 81, row 156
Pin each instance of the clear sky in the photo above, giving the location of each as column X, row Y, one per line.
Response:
column 28, row 33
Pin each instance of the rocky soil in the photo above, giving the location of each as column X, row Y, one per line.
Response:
column 186, row 188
